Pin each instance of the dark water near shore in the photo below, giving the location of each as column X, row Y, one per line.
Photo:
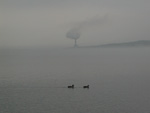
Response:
column 35, row 80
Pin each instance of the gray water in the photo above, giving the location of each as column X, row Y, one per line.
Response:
column 36, row 80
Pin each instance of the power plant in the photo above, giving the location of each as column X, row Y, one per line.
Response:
column 73, row 34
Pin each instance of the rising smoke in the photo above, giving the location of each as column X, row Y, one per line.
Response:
column 75, row 32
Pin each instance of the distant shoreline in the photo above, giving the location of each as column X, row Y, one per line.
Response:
column 139, row 43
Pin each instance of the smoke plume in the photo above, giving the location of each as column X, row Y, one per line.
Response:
column 75, row 32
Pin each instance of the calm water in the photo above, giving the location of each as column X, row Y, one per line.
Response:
column 36, row 80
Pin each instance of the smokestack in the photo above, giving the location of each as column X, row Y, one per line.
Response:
column 73, row 34
column 75, row 44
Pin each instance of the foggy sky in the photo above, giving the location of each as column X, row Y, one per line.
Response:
column 38, row 23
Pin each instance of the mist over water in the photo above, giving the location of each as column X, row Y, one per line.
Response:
column 35, row 69
column 36, row 80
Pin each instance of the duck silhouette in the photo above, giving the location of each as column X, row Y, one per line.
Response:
column 86, row 86
column 72, row 86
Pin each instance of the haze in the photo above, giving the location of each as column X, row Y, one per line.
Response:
column 39, row 59
column 40, row 23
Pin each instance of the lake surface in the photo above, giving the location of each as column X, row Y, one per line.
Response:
column 36, row 80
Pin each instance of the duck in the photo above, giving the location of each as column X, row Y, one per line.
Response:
column 72, row 86
column 86, row 86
